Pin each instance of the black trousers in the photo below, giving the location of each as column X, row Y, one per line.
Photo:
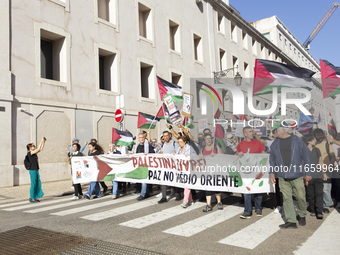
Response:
column 278, row 194
column 77, row 190
column 314, row 194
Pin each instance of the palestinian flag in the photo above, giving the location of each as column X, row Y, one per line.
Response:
column 330, row 77
column 124, row 138
column 217, row 114
column 187, row 122
column 331, row 124
column 270, row 74
column 169, row 89
column 146, row 121
column 219, row 136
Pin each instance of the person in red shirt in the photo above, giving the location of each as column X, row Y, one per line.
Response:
column 250, row 145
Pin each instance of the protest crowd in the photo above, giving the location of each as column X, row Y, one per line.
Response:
column 296, row 192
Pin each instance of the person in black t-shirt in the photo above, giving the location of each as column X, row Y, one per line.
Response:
column 35, row 190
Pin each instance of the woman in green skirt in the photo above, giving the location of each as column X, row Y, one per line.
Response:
column 35, row 191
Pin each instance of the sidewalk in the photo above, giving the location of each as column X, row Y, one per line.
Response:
column 51, row 189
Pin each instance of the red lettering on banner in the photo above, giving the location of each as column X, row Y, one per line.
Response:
column 150, row 161
column 186, row 165
column 140, row 162
column 134, row 162
column 173, row 164
column 193, row 164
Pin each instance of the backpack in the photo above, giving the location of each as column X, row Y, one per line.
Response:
column 27, row 162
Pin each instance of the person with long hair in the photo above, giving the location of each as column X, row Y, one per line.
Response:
column 209, row 149
column 35, row 190
column 95, row 149
column 78, row 193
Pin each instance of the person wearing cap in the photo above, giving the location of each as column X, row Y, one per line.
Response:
column 76, row 140
column 231, row 143
column 290, row 160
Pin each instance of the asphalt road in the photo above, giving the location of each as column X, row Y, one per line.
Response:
column 168, row 228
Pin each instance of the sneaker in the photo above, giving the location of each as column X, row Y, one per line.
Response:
column 278, row 209
column 325, row 210
column 288, row 225
column 74, row 198
column 140, row 198
column 96, row 197
column 207, row 208
column 159, row 194
column 302, row 220
column 114, row 197
column 220, row 206
column 245, row 216
column 80, row 196
column 319, row 216
column 32, row 200
column 87, row 197
column 258, row 213
column 37, row 200
column 312, row 214
column 163, row 200
column 184, row 205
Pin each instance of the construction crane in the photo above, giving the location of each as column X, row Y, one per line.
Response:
column 320, row 25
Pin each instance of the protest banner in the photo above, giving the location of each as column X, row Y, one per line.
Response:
column 226, row 173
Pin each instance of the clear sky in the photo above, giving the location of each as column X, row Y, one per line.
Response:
column 300, row 17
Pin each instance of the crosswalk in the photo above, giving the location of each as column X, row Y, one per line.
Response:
column 97, row 210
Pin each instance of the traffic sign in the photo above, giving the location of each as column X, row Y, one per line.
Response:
column 119, row 115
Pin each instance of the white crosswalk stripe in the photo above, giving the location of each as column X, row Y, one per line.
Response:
column 325, row 239
column 36, row 204
column 207, row 221
column 14, row 204
column 154, row 218
column 120, row 210
column 93, row 206
column 254, row 234
column 53, row 207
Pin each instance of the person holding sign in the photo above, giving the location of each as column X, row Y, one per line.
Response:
column 210, row 148
column 250, row 145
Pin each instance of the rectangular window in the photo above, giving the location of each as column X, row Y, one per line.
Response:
column 280, row 37
column 145, row 21
column 107, row 10
column 245, row 40
column 223, row 60
column 53, row 63
column 176, row 79
column 146, row 72
column 198, row 48
column 233, row 31
column 254, row 46
column 235, row 62
column 246, row 69
column 174, row 36
column 267, row 35
column 220, row 23
column 107, row 71
column 46, row 59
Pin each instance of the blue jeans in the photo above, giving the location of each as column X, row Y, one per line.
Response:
column 115, row 191
column 94, row 186
column 144, row 188
column 327, row 199
column 247, row 203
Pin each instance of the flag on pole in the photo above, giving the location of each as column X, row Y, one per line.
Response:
column 169, row 89
column 146, row 121
column 243, row 117
column 235, row 117
column 270, row 74
column 219, row 136
column 124, row 138
column 331, row 124
column 305, row 122
column 217, row 114
column 330, row 78
column 163, row 112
